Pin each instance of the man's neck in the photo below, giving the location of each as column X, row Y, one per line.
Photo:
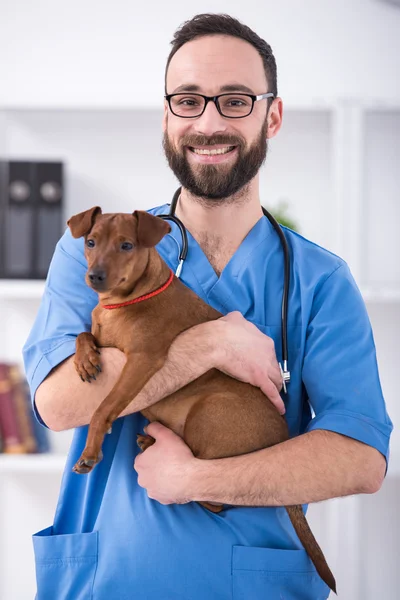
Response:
column 221, row 226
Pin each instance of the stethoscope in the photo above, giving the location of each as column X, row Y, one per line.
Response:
column 285, row 296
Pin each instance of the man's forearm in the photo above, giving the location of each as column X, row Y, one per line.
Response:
column 65, row 402
column 191, row 355
column 312, row 467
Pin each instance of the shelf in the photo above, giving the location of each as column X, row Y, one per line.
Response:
column 53, row 464
column 32, row 463
column 381, row 294
column 21, row 288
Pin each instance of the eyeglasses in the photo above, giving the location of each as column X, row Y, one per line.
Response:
column 232, row 106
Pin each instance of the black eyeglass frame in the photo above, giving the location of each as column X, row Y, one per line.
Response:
column 215, row 99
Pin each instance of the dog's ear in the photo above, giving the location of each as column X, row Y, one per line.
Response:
column 150, row 229
column 83, row 222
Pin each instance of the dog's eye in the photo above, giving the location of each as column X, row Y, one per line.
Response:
column 90, row 243
column 126, row 246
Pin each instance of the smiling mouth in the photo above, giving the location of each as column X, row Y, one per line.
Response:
column 212, row 152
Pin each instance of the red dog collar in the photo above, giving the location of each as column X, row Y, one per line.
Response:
column 141, row 298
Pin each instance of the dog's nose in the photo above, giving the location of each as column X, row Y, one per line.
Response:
column 97, row 277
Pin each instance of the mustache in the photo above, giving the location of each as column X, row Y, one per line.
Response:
column 202, row 140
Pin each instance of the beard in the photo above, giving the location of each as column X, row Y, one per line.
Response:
column 219, row 181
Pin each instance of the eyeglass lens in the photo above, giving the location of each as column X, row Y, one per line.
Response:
column 192, row 105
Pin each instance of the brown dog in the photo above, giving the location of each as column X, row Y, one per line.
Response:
column 216, row 415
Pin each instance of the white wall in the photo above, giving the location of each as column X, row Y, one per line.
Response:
column 101, row 53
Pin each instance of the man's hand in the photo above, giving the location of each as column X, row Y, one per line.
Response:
column 165, row 468
column 245, row 353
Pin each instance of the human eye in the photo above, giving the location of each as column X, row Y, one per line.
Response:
column 187, row 101
column 236, row 101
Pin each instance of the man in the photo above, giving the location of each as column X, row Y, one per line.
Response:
column 119, row 532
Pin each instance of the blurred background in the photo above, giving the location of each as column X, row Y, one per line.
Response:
column 81, row 96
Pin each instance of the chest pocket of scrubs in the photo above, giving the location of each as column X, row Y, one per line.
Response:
column 65, row 565
column 270, row 574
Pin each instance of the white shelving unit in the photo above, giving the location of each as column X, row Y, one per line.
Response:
column 336, row 163
column 33, row 290
column 16, row 289
column 37, row 464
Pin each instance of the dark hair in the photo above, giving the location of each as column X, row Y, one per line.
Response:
column 212, row 24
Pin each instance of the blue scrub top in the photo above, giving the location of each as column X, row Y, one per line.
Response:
column 108, row 539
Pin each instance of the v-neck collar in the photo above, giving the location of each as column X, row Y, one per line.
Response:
column 219, row 289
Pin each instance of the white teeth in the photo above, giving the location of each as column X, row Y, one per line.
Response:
column 212, row 152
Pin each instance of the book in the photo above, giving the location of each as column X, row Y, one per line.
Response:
column 22, row 409
column 9, row 426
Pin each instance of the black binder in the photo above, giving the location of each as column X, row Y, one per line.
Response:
column 31, row 200
column 49, row 226
column 3, row 195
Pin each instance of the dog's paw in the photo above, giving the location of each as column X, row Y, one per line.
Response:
column 87, row 364
column 144, row 441
column 86, row 464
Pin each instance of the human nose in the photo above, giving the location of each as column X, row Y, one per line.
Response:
column 211, row 121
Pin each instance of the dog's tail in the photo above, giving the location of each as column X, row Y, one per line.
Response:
column 310, row 544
